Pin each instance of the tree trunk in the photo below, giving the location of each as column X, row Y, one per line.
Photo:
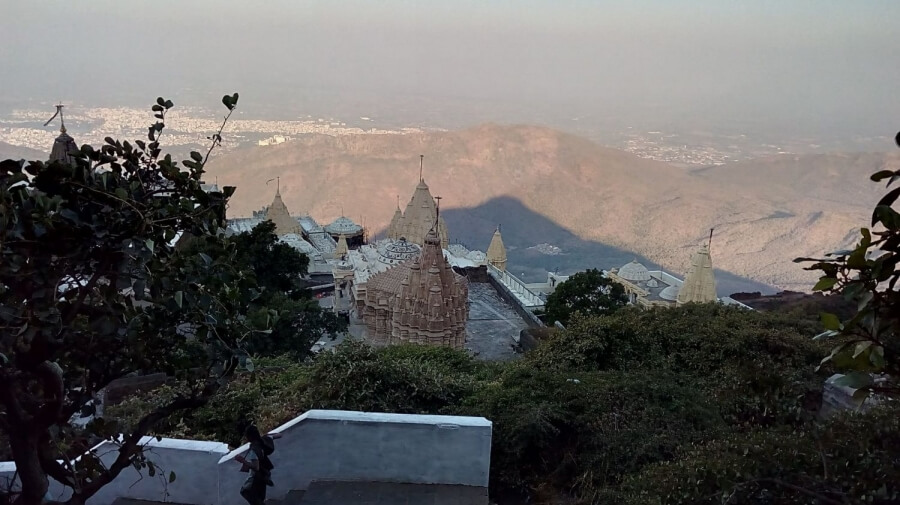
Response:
column 34, row 481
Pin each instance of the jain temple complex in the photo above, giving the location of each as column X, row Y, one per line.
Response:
column 414, row 286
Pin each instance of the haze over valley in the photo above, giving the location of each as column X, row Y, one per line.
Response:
column 630, row 130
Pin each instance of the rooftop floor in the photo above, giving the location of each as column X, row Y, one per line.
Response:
column 493, row 327
column 386, row 493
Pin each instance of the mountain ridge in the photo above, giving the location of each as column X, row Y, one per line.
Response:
column 601, row 194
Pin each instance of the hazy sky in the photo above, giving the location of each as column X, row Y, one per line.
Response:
column 815, row 63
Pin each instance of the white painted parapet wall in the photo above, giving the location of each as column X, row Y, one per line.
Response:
column 359, row 446
column 526, row 297
column 318, row 445
column 193, row 462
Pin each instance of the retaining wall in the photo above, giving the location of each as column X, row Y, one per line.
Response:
column 319, row 445
column 370, row 447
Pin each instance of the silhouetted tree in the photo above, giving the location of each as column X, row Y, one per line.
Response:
column 92, row 289
column 588, row 292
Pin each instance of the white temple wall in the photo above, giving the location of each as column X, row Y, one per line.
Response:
column 359, row 446
column 193, row 462
column 318, row 445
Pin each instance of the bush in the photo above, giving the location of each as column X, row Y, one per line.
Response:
column 410, row 379
column 583, row 430
column 758, row 367
column 851, row 458
column 615, row 408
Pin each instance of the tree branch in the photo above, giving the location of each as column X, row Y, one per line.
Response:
column 130, row 446
column 802, row 490
column 217, row 138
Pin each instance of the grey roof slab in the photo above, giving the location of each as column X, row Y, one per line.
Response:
column 390, row 493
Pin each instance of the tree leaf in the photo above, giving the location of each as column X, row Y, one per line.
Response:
column 179, row 298
column 825, row 335
column 825, row 283
column 889, row 198
column 876, row 357
column 887, row 216
column 861, row 348
column 830, row 321
column 855, row 380
column 881, row 175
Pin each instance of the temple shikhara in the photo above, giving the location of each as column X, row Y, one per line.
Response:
column 656, row 288
column 421, row 301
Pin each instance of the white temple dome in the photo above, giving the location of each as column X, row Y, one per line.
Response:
column 343, row 226
column 652, row 283
column 397, row 251
column 634, row 272
column 476, row 256
column 458, row 250
column 670, row 293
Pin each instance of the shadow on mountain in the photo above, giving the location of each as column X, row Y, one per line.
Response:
column 523, row 229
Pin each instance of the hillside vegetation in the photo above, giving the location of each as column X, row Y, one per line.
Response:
column 765, row 212
column 671, row 406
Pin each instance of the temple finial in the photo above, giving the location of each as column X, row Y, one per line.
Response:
column 421, row 165
column 437, row 211
column 59, row 112
column 277, row 185
column 709, row 243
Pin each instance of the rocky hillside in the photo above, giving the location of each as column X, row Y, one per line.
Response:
column 9, row 151
column 765, row 212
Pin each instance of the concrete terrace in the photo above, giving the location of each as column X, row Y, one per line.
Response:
column 322, row 457
column 493, row 327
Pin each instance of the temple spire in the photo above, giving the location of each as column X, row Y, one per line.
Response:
column 496, row 252
column 277, row 185
column 63, row 146
column 62, row 122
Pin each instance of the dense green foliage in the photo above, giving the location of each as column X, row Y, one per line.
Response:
column 96, row 284
column 588, row 293
column 92, row 288
column 613, row 409
column 289, row 320
column 851, row 458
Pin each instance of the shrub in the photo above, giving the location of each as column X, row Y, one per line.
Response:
column 851, row 458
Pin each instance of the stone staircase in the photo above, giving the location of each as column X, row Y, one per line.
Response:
column 384, row 493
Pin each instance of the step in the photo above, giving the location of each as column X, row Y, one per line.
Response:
column 292, row 498
column 391, row 493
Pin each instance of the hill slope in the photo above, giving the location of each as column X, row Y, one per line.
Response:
column 9, row 151
column 765, row 212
